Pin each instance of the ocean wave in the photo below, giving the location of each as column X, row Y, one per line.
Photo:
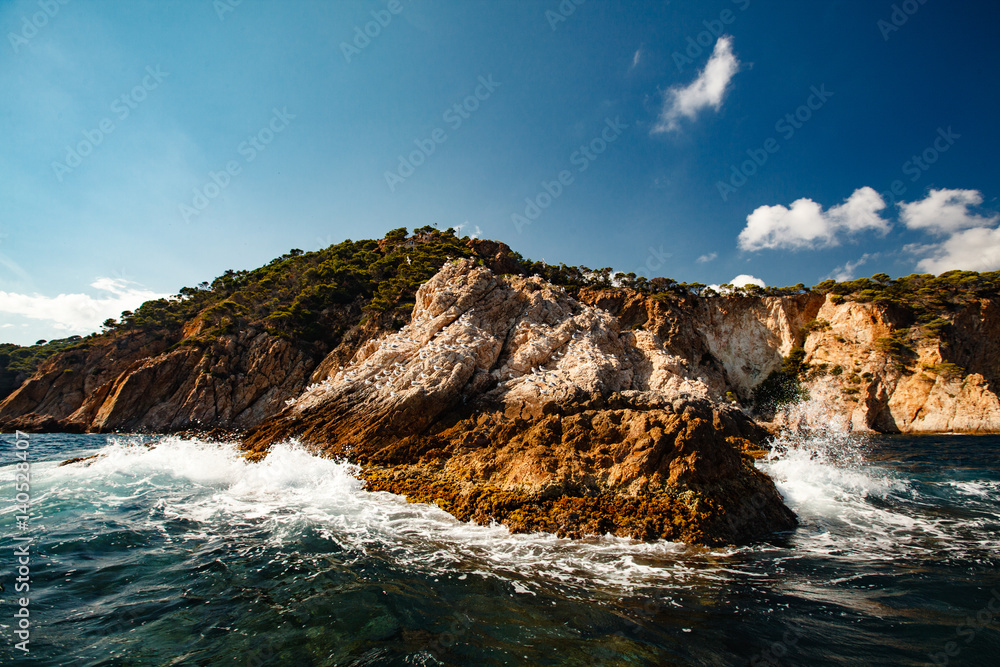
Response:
column 213, row 492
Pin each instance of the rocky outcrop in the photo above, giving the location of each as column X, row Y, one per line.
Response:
column 948, row 383
column 132, row 383
column 503, row 398
column 730, row 344
column 943, row 384
column 506, row 400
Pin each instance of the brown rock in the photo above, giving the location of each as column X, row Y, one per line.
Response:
column 133, row 383
column 506, row 400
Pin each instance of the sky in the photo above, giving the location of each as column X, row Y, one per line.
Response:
column 148, row 146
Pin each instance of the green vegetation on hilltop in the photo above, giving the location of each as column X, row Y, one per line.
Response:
column 314, row 298
column 925, row 295
column 575, row 277
column 305, row 295
column 20, row 362
column 925, row 304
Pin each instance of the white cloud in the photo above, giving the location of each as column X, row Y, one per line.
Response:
column 945, row 211
column 972, row 243
column 704, row 92
column 704, row 259
column 846, row 272
column 741, row 280
column 806, row 225
column 78, row 313
column 975, row 249
column 637, row 57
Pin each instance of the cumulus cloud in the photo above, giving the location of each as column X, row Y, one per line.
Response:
column 945, row 212
column 704, row 259
column 704, row 92
column 972, row 243
column 78, row 313
column 975, row 249
column 741, row 280
column 744, row 279
column 806, row 225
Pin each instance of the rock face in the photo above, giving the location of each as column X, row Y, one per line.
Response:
column 506, row 400
column 874, row 393
column 731, row 344
column 950, row 383
column 133, row 383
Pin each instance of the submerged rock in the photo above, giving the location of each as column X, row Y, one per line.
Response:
column 504, row 399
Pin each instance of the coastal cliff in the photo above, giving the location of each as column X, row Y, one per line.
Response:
column 872, row 366
column 505, row 399
column 546, row 398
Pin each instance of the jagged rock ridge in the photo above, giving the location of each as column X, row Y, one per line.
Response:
column 505, row 399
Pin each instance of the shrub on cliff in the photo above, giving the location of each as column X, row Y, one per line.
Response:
column 782, row 387
column 897, row 347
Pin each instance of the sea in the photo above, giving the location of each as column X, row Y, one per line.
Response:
column 165, row 550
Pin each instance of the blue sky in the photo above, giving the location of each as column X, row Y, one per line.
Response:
column 151, row 145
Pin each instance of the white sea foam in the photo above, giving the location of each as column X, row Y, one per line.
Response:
column 849, row 508
column 293, row 492
column 852, row 508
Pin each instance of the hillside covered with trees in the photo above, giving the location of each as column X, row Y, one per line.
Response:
column 313, row 298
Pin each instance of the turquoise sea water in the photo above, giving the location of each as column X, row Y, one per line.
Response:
column 183, row 554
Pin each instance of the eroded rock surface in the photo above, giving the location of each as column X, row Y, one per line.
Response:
column 504, row 399
column 948, row 385
column 135, row 384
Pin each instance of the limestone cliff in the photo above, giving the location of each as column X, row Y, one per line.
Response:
column 133, row 383
column 936, row 382
column 504, row 399
column 931, row 384
column 719, row 347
